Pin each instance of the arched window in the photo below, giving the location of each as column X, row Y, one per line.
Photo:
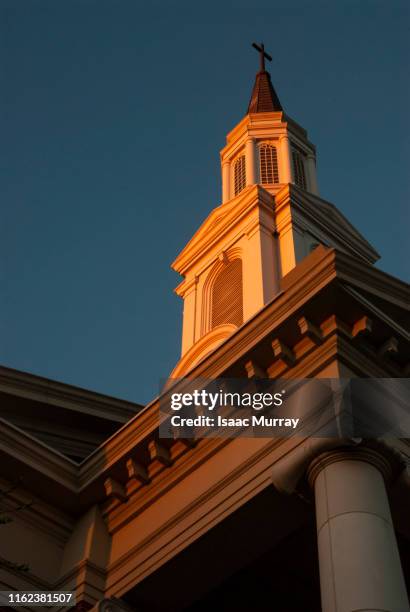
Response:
column 268, row 164
column 299, row 169
column 239, row 174
column 226, row 295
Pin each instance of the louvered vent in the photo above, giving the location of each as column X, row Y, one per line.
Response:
column 299, row 169
column 239, row 174
column 227, row 295
column 268, row 164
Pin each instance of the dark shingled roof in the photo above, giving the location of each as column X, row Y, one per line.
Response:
column 264, row 98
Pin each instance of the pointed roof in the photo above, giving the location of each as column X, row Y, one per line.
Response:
column 264, row 98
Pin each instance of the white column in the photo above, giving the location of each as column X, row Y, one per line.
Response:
column 286, row 161
column 226, row 181
column 359, row 562
column 250, row 161
column 312, row 175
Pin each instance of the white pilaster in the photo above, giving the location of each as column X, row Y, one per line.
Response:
column 312, row 175
column 358, row 557
column 286, row 161
column 226, row 181
column 250, row 161
column 189, row 316
column 260, row 270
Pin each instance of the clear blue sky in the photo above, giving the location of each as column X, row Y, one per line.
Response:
column 112, row 118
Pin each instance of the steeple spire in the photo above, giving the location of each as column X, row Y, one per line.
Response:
column 264, row 98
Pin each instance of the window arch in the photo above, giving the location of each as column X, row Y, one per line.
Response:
column 299, row 169
column 226, row 295
column 239, row 174
column 268, row 162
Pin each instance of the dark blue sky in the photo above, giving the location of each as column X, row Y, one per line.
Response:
column 113, row 115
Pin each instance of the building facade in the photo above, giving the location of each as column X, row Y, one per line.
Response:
column 276, row 284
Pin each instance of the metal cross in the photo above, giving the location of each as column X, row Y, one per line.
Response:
column 262, row 55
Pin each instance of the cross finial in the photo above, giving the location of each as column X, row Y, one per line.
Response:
column 262, row 55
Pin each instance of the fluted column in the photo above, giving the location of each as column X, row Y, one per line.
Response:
column 286, row 161
column 359, row 561
column 312, row 176
column 250, row 161
column 226, row 181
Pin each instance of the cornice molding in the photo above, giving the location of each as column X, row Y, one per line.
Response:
column 246, row 480
column 382, row 315
column 320, row 273
column 250, row 121
column 373, row 281
column 210, row 232
column 311, row 211
column 317, row 278
column 38, row 456
column 262, row 124
column 55, row 393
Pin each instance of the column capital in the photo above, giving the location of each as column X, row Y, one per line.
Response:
column 377, row 458
column 314, row 454
column 112, row 604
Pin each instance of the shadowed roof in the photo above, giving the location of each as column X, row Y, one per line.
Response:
column 264, row 98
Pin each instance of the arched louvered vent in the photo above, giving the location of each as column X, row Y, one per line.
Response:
column 239, row 174
column 226, row 299
column 268, row 164
column 299, row 169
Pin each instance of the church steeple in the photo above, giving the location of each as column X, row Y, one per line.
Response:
column 270, row 219
column 264, row 98
column 267, row 147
